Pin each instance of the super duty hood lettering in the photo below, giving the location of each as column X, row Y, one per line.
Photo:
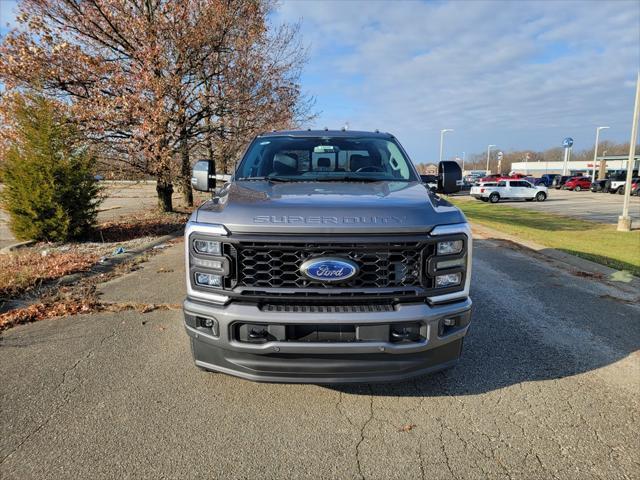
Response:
column 328, row 220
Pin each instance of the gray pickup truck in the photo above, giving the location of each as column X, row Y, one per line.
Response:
column 325, row 259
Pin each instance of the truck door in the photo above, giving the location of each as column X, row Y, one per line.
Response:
column 518, row 189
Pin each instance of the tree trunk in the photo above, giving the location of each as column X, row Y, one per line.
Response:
column 185, row 171
column 212, row 157
column 165, row 191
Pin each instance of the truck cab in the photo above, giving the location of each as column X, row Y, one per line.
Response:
column 326, row 259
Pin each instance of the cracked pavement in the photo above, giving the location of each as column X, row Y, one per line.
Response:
column 547, row 388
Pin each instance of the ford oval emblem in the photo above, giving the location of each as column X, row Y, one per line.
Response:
column 329, row 269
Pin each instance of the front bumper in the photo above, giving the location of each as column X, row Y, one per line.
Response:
column 326, row 362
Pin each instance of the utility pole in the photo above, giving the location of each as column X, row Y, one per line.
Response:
column 624, row 221
column 595, row 152
column 488, row 153
column 463, row 156
column 442, row 132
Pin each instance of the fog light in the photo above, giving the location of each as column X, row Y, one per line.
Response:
column 213, row 264
column 450, row 247
column 448, row 280
column 206, row 322
column 208, row 279
column 206, row 247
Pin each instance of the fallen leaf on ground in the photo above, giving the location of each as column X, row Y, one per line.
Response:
column 407, row 428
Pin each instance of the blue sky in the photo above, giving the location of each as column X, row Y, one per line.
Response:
column 522, row 75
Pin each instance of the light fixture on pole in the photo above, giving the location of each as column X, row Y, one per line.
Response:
column 489, row 153
column 624, row 220
column 442, row 132
column 595, row 152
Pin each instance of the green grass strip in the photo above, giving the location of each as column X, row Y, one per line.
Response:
column 594, row 241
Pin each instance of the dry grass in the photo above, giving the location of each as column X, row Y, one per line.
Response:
column 28, row 268
column 145, row 224
column 25, row 269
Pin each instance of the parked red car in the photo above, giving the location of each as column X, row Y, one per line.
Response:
column 494, row 177
column 578, row 183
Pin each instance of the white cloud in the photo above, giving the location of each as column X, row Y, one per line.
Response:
column 518, row 74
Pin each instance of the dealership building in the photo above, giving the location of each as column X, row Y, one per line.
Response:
column 609, row 164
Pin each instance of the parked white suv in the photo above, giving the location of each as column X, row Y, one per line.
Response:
column 509, row 189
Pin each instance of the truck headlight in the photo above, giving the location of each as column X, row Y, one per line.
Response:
column 206, row 247
column 208, row 279
column 450, row 247
column 206, row 263
column 448, row 280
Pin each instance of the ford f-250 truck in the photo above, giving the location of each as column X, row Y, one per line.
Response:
column 325, row 259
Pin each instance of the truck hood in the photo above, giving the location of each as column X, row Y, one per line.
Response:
column 327, row 207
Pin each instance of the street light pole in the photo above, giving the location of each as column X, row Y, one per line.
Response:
column 463, row 162
column 442, row 132
column 624, row 221
column 488, row 153
column 595, row 152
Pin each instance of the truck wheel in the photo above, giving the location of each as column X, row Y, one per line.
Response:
column 494, row 198
column 578, row 188
column 541, row 197
column 621, row 191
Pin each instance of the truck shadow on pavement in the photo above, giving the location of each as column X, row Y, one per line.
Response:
column 494, row 357
column 527, row 333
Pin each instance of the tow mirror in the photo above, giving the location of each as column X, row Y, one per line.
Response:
column 203, row 177
column 449, row 177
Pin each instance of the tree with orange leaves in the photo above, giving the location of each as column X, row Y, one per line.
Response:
column 150, row 80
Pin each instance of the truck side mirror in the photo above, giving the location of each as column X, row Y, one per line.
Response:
column 449, row 177
column 203, row 178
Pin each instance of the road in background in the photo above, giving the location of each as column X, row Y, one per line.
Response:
column 547, row 388
column 585, row 205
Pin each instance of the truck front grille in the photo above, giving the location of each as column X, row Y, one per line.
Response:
column 277, row 265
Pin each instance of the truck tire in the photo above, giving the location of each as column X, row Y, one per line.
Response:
column 621, row 190
column 541, row 197
column 494, row 197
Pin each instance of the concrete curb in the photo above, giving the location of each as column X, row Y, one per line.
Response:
column 111, row 262
column 571, row 261
column 15, row 246
column 99, row 268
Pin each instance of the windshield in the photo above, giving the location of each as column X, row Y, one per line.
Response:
column 325, row 159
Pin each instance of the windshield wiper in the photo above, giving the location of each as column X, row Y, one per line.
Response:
column 269, row 178
column 348, row 178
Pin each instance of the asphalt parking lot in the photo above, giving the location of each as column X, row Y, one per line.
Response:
column 586, row 205
column 547, row 388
